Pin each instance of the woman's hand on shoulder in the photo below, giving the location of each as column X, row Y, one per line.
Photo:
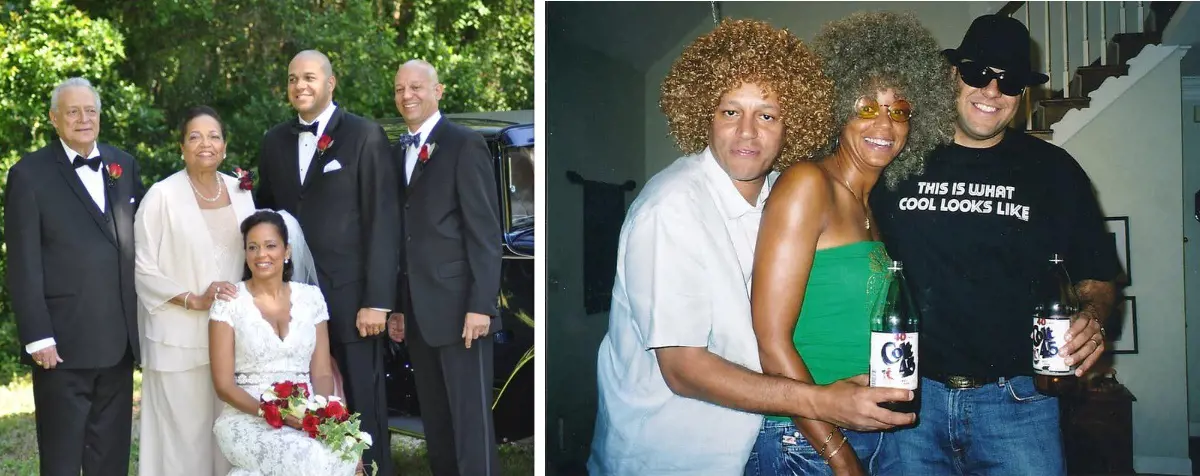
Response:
column 226, row 291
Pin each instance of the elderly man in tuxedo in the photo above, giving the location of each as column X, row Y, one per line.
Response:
column 450, row 275
column 68, row 218
column 332, row 171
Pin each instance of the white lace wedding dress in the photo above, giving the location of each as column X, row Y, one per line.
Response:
column 261, row 359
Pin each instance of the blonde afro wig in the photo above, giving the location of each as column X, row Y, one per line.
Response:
column 749, row 51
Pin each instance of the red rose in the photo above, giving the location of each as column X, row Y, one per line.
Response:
column 272, row 414
column 114, row 171
column 284, row 389
column 245, row 179
column 310, row 424
column 336, row 411
column 423, row 156
column 324, row 142
column 303, row 389
column 322, row 413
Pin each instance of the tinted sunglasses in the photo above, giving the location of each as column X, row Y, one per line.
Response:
column 868, row 108
column 978, row 75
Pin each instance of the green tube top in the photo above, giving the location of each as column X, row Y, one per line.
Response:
column 833, row 333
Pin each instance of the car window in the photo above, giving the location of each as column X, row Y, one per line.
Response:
column 520, row 188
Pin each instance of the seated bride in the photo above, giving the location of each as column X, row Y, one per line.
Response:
column 274, row 330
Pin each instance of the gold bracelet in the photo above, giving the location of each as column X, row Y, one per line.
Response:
column 826, row 442
column 835, row 451
column 185, row 300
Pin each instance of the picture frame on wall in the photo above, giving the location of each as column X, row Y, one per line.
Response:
column 1126, row 338
column 1118, row 232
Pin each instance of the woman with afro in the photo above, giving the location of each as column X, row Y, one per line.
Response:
column 819, row 266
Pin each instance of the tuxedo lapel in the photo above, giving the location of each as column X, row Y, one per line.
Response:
column 111, row 208
column 316, row 166
column 419, row 168
column 76, row 185
column 291, row 152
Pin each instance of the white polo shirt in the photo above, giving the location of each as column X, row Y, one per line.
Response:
column 683, row 279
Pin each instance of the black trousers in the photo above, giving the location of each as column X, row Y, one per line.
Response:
column 84, row 419
column 454, row 388
column 361, row 365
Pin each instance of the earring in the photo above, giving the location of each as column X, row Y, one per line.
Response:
column 287, row 260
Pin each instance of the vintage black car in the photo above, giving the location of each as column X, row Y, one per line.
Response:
column 510, row 138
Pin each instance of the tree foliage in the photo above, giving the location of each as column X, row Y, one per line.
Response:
column 151, row 60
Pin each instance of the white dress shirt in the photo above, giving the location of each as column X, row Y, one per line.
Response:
column 308, row 142
column 683, row 280
column 410, row 155
column 93, row 181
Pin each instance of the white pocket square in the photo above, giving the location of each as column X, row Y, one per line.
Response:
column 131, row 199
column 331, row 166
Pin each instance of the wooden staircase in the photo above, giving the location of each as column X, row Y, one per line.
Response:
column 1121, row 47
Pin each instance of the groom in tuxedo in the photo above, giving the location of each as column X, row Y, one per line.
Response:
column 68, row 217
column 332, row 171
column 450, row 275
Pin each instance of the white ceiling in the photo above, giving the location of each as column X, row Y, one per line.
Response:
column 636, row 33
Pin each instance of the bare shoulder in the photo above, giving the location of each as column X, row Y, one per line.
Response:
column 802, row 183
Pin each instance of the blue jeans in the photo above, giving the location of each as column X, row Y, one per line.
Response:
column 782, row 450
column 1002, row 428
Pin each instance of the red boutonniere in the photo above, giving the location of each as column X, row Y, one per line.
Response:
column 245, row 178
column 323, row 143
column 114, row 173
column 426, row 151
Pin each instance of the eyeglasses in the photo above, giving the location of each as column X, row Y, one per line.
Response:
column 868, row 108
column 978, row 75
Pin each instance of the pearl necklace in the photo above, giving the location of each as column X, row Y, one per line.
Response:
column 202, row 197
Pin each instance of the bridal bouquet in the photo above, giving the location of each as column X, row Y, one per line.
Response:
column 324, row 419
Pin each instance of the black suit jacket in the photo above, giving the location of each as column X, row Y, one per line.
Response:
column 70, row 264
column 452, row 235
column 349, row 216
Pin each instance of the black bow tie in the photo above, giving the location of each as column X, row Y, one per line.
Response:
column 409, row 140
column 93, row 162
column 311, row 128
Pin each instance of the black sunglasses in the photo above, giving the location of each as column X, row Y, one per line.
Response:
column 978, row 75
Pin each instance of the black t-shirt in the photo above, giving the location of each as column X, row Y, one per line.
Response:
column 974, row 232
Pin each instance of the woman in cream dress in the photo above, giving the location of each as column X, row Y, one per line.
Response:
column 189, row 247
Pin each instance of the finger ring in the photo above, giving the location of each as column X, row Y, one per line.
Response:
column 1094, row 341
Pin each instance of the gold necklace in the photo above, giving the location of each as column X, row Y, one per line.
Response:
column 866, row 214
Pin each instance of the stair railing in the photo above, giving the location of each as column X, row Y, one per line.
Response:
column 1069, row 29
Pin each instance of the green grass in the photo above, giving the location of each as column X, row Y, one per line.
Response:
column 19, row 454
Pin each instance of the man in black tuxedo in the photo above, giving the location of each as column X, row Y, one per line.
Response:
column 68, row 217
column 450, row 275
column 332, row 171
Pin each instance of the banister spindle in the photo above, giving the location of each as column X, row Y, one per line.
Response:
column 1087, row 55
column 1046, row 23
column 1141, row 18
column 1103, row 34
column 1066, row 71
column 1121, row 6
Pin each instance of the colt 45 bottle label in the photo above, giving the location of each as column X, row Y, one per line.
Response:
column 1049, row 339
column 894, row 360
